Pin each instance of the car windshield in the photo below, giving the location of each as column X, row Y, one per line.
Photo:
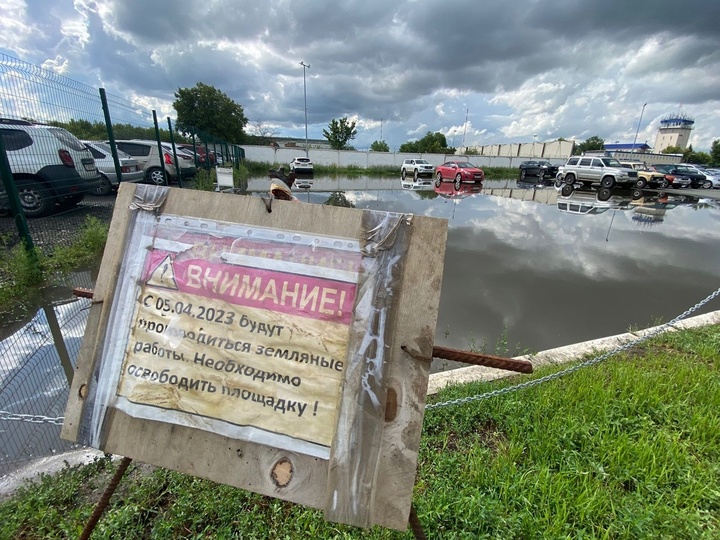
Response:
column 465, row 165
column 611, row 162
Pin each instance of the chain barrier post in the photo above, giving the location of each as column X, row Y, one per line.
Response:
column 160, row 149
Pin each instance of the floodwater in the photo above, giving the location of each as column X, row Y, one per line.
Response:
column 526, row 268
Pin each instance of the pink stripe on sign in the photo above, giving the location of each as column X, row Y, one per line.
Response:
column 301, row 295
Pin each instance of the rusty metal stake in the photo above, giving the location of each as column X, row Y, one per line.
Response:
column 415, row 524
column 105, row 499
column 481, row 359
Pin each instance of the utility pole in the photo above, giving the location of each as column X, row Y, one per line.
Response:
column 638, row 128
column 305, row 66
column 465, row 127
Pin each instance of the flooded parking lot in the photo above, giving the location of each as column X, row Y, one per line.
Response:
column 526, row 269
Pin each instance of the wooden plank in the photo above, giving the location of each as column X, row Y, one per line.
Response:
column 407, row 376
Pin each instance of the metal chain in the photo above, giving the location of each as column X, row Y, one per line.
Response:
column 32, row 418
column 587, row 363
column 40, row 419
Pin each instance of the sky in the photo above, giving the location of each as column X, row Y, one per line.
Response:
column 479, row 72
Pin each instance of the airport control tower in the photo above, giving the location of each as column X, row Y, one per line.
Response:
column 674, row 131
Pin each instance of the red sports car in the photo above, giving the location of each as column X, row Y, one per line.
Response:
column 459, row 172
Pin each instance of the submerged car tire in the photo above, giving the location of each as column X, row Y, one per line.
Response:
column 35, row 199
column 559, row 182
column 438, row 180
column 403, row 174
column 641, row 183
column 607, row 182
column 637, row 194
column 458, row 182
column 664, row 183
column 604, row 194
column 416, row 175
column 105, row 186
column 570, row 179
column 523, row 174
column 707, row 184
column 567, row 190
column 155, row 176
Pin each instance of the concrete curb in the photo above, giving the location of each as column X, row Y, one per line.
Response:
column 559, row 355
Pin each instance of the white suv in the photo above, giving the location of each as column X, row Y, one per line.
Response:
column 50, row 166
column 416, row 167
column 603, row 170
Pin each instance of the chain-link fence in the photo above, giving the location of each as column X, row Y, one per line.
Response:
column 64, row 149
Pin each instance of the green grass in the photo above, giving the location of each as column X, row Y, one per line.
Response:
column 23, row 273
column 626, row 449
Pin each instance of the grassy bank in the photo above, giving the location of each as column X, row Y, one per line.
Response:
column 22, row 274
column 629, row 448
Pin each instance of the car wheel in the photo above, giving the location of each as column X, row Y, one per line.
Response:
column 105, row 187
column 438, row 180
column 403, row 174
column 558, row 182
column 664, row 183
column 707, row 184
column 637, row 194
column 416, row 175
column 155, row 176
column 35, row 199
column 604, row 194
column 458, row 182
column 570, row 179
column 523, row 174
column 641, row 183
column 607, row 182
column 567, row 190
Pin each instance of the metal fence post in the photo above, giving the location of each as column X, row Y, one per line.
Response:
column 111, row 135
column 160, row 149
column 177, row 163
column 15, row 206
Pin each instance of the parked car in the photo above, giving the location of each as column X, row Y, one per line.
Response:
column 646, row 177
column 301, row 165
column 459, row 172
column 539, row 168
column 148, row 156
column 186, row 160
column 603, row 170
column 416, row 168
column 129, row 168
column 204, row 157
column 50, row 166
column 422, row 184
column 672, row 176
column 711, row 179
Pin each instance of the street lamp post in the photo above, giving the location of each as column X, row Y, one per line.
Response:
column 638, row 128
column 304, row 65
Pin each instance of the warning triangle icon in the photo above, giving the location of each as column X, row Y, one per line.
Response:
column 163, row 275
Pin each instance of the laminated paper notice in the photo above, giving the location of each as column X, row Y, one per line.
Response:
column 248, row 332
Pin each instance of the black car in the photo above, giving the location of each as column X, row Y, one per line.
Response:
column 697, row 180
column 539, row 168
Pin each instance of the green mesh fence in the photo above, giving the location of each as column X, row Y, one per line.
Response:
column 67, row 147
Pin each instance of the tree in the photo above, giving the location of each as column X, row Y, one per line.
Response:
column 672, row 150
column 340, row 132
column 593, row 143
column 379, row 146
column 715, row 153
column 207, row 109
column 338, row 198
column 431, row 143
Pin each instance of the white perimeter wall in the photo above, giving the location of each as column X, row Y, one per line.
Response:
column 504, row 156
